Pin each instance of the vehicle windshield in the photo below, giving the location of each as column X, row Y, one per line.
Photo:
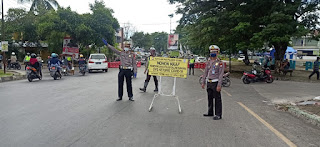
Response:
column 97, row 57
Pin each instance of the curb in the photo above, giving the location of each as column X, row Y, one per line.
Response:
column 13, row 78
column 311, row 118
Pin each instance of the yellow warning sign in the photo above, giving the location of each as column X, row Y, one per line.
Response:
column 168, row 67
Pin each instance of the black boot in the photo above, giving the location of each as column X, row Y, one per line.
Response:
column 144, row 87
column 156, row 90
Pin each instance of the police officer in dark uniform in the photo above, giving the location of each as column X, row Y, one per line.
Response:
column 127, row 65
column 213, row 77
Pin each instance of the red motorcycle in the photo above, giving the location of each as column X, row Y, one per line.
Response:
column 264, row 76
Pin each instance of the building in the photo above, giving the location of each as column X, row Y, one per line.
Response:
column 306, row 46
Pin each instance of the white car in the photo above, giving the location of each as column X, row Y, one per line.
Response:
column 97, row 62
column 241, row 58
column 201, row 60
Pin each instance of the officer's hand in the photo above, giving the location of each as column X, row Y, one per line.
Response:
column 104, row 41
column 218, row 88
column 202, row 86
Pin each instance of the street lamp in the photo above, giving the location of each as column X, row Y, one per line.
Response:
column 170, row 15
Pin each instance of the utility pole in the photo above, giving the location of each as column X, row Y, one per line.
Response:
column 170, row 15
column 122, row 39
column 3, row 38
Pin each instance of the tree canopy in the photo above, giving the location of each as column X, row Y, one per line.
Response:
column 245, row 24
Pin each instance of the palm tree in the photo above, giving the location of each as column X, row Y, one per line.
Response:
column 38, row 5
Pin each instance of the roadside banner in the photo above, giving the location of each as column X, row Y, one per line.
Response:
column 168, row 67
column 4, row 46
column 69, row 48
column 173, row 41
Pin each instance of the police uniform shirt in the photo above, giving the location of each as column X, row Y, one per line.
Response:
column 126, row 59
column 214, row 71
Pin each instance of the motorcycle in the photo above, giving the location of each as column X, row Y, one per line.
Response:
column 226, row 82
column 54, row 72
column 64, row 70
column 82, row 69
column 32, row 74
column 14, row 66
column 264, row 76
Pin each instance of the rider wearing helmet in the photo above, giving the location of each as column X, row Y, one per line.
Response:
column 13, row 58
column 152, row 54
column 35, row 63
column 55, row 61
column 213, row 77
column 26, row 60
column 82, row 61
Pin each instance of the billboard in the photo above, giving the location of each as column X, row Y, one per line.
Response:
column 69, row 48
column 173, row 41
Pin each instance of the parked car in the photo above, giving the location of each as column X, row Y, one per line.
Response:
column 201, row 60
column 241, row 58
column 97, row 62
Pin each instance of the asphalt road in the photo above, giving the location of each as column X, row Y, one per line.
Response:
column 82, row 111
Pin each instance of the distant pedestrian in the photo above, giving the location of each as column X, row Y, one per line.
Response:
column 191, row 65
column 315, row 68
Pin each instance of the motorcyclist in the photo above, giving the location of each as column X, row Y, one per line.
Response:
column 26, row 60
column 13, row 59
column 35, row 63
column 82, row 62
column 65, row 62
column 54, row 61
column 257, row 69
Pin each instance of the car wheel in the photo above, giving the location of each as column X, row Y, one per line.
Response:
column 106, row 70
column 90, row 71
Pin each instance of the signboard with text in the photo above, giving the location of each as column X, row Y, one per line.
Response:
column 168, row 67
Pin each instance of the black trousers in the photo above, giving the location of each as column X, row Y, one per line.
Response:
column 191, row 66
column 124, row 73
column 154, row 78
column 317, row 72
column 214, row 94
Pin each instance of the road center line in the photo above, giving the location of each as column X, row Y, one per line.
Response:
column 281, row 136
column 227, row 93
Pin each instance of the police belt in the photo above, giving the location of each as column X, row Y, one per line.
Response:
column 124, row 67
column 212, row 81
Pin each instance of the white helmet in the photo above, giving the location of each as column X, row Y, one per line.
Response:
column 152, row 48
column 214, row 48
column 13, row 53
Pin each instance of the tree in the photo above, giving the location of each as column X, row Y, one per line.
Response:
column 159, row 41
column 246, row 24
column 41, row 5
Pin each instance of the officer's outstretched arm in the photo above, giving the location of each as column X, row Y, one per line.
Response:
column 111, row 47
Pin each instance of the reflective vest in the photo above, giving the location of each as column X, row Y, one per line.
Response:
column 192, row 61
column 28, row 58
column 69, row 58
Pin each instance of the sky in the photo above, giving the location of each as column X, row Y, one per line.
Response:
column 145, row 15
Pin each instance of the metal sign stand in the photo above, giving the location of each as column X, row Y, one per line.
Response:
column 160, row 93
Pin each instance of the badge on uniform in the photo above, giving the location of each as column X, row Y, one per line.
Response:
column 213, row 69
